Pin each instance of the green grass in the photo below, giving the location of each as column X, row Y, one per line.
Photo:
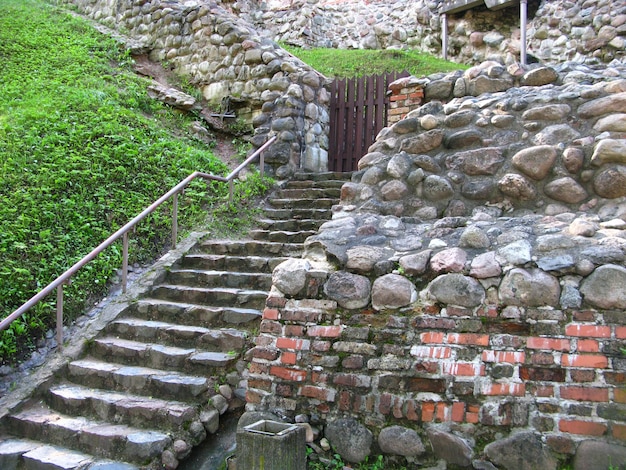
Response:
column 83, row 149
column 343, row 63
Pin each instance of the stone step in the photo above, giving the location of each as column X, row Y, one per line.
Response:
column 205, row 278
column 193, row 314
column 321, row 203
column 162, row 357
column 102, row 439
column 223, row 339
column 297, row 213
column 121, row 408
column 282, row 236
column 33, row 455
column 293, row 225
column 256, row 264
column 312, row 193
column 167, row 385
column 214, row 296
column 249, row 248
column 324, row 176
column 323, row 184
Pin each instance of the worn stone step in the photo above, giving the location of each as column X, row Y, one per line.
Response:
column 256, row 264
column 212, row 339
column 282, row 236
column 297, row 213
column 301, row 184
column 249, row 248
column 205, row 278
column 33, row 455
column 102, row 439
column 121, row 408
column 194, row 314
column 163, row 384
column 159, row 356
column 293, row 225
column 321, row 203
column 323, row 176
column 311, row 192
column 214, row 296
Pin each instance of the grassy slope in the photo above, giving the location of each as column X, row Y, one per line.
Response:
column 83, row 149
column 350, row 63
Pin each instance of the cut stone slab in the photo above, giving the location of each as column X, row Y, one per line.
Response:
column 11, row 452
column 57, row 458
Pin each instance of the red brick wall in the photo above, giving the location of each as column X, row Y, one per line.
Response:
column 445, row 365
column 404, row 98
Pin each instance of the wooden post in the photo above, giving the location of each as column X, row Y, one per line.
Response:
column 270, row 445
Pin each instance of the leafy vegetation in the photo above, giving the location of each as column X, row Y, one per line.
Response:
column 83, row 149
column 357, row 62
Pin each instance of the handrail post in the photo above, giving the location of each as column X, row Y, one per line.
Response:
column 124, row 261
column 231, row 190
column 262, row 163
column 60, row 316
column 174, row 219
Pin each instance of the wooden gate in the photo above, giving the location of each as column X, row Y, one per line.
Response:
column 358, row 112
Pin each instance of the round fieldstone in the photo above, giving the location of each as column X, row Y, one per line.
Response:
column 290, row 276
column 605, row 287
column 361, row 259
column 450, row 260
column 610, row 182
column 350, row 439
column 517, row 187
column 521, row 451
column 457, row 289
column 535, row 162
column 437, row 188
column 565, row 189
column 392, row 291
column 398, row 440
column 451, row 448
column 573, row 159
column 529, row 288
column 349, row 290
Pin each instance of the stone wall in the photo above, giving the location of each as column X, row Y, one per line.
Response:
column 471, row 283
column 225, row 57
column 558, row 31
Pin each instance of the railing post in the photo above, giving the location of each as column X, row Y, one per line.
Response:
column 124, row 261
column 174, row 220
column 60, row 316
column 262, row 163
column 231, row 190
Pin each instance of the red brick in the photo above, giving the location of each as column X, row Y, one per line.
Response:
column 432, row 337
column 458, row 412
column 352, row 380
column 398, row 97
column 433, row 352
column 294, row 330
column 284, row 390
column 264, row 353
column 302, row 316
column 271, row 327
column 428, row 411
column 318, row 393
column 584, row 330
column 324, row 331
column 321, row 346
column 253, row 397
column 417, row 94
column 270, row 313
column 257, row 368
column 468, row 338
column 542, row 374
column 550, row 344
column 294, row 375
column 453, row 311
column 288, row 358
column 543, row 359
column 435, row 323
column 429, row 367
column 462, row 369
column 293, row 343
column 471, row 417
column 620, row 332
column 584, row 360
column 583, row 375
column 585, row 428
column 618, row 431
column 384, row 405
column 585, row 394
column 588, row 346
column 276, row 302
column 398, row 406
column 584, row 315
column 619, row 395
column 489, row 311
column 345, row 400
column 442, row 412
column 508, row 389
column 418, row 384
column 412, row 412
column 543, row 391
column 260, row 384
column 509, row 357
column 614, row 378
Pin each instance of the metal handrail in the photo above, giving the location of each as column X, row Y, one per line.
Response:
column 64, row 278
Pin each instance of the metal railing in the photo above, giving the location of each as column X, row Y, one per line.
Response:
column 173, row 193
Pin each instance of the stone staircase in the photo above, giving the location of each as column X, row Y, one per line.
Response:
column 155, row 381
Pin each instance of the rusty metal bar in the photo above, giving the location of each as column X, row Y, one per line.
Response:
column 66, row 276
column 124, row 262
column 174, row 220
